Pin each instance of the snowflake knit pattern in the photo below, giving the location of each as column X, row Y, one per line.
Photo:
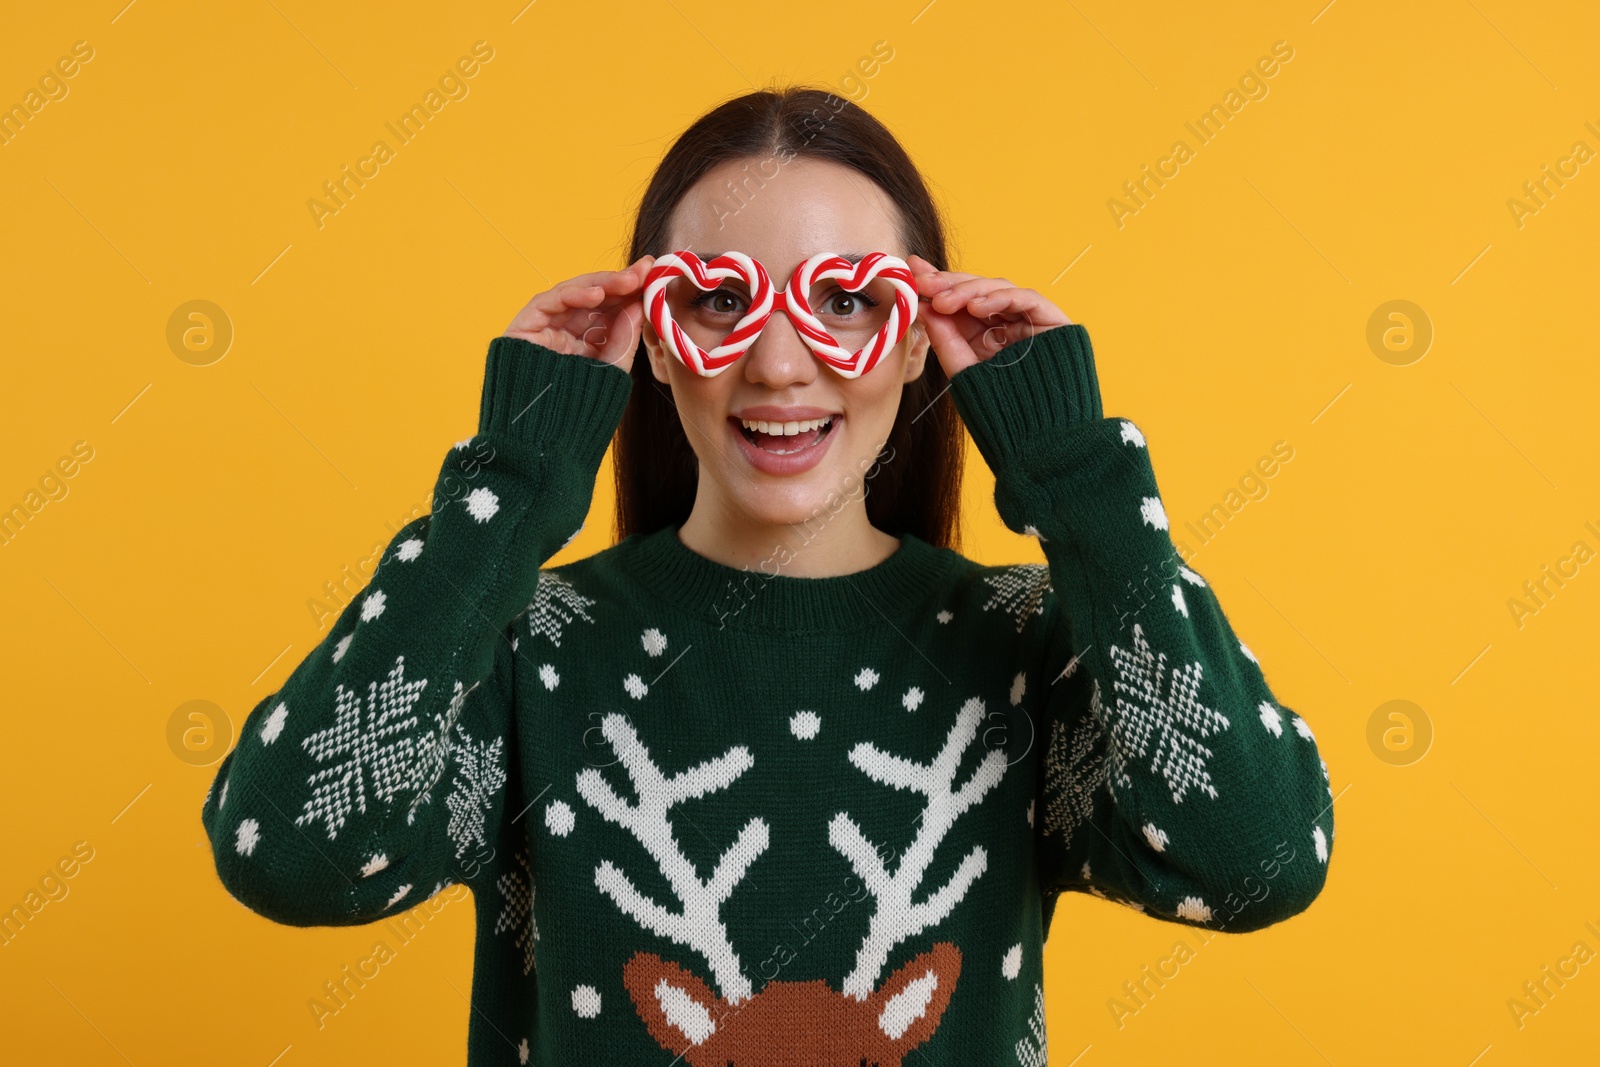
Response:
column 742, row 817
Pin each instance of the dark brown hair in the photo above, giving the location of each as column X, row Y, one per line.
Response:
column 916, row 488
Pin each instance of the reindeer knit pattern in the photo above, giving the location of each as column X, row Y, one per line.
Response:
column 740, row 817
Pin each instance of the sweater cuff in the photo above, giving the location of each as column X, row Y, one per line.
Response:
column 1026, row 391
column 545, row 398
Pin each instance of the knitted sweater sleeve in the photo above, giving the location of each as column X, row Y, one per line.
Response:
column 1172, row 778
column 376, row 774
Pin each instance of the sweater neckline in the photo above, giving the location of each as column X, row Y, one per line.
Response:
column 763, row 598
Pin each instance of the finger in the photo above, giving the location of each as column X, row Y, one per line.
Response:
column 553, row 304
column 605, row 287
column 622, row 337
column 622, row 296
column 977, row 283
column 642, row 267
column 1030, row 303
column 931, row 280
column 926, row 279
column 533, row 316
column 567, row 296
column 624, row 281
column 626, row 275
column 959, row 295
column 529, row 319
column 1002, row 335
column 609, row 328
column 594, row 277
column 941, row 331
column 623, row 286
column 949, row 345
column 932, row 284
column 1010, row 300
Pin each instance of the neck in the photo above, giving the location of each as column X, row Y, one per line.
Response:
column 832, row 543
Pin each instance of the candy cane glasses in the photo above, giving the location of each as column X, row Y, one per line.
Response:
column 849, row 313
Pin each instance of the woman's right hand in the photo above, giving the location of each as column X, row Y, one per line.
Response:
column 598, row 315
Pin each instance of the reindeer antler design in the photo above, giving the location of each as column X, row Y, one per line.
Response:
column 699, row 925
column 897, row 918
column 791, row 1022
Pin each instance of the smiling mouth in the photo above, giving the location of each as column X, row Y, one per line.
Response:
column 783, row 439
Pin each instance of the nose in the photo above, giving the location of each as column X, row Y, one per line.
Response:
column 779, row 358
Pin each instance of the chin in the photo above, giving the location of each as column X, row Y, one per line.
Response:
column 813, row 478
column 812, row 499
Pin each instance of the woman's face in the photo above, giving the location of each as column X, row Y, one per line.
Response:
column 808, row 206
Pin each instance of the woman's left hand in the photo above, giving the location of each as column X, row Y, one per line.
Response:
column 970, row 318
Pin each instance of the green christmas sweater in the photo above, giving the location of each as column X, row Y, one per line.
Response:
column 742, row 817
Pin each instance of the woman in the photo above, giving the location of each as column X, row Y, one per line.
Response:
column 779, row 778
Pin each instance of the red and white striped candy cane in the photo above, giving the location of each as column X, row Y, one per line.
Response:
column 852, row 277
column 765, row 302
column 707, row 276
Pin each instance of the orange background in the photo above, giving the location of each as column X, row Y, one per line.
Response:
column 1229, row 313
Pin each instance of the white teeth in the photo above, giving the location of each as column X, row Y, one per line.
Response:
column 786, row 429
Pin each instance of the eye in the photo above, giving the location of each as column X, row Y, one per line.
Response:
column 844, row 303
column 722, row 301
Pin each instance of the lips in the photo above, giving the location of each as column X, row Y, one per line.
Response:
column 784, row 447
column 779, row 436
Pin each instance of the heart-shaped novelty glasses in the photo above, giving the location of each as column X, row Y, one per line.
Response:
column 681, row 294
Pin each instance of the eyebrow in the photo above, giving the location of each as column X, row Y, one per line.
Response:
column 853, row 257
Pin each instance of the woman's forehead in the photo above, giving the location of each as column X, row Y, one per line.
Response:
column 782, row 213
